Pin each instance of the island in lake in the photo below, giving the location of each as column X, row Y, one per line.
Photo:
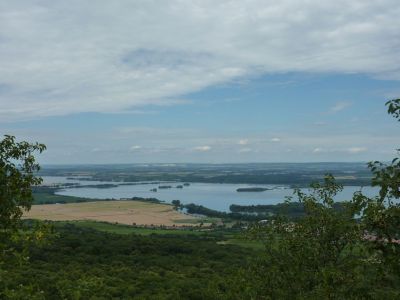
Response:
column 164, row 187
column 252, row 189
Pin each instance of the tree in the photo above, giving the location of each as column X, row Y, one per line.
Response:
column 177, row 204
column 18, row 170
column 380, row 215
column 17, row 176
column 313, row 257
column 350, row 252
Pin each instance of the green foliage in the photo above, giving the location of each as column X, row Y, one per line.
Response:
column 292, row 209
column 87, row 264
column 177, row 204
column 127, row 229
column 310, row 258
column 192, row 208
column 18, row 168
column 17, row 176
column 51, row 198
column 347, row 253
column 394, row 108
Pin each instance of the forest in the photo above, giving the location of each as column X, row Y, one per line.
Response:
column 83, row 263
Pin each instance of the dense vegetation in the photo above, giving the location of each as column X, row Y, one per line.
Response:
column 292, row 210
column 82, row 263
column 204, row 211
column 249, row 213
column 17, row 176
column 347, row 253
column 330, row 253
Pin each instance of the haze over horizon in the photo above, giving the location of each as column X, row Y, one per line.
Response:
column 200, row 81
column 188, row 164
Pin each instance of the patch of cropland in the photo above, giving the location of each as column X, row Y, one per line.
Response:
column 296, row 174
column 125, row 212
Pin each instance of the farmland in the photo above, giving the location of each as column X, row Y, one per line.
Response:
column 122, row 212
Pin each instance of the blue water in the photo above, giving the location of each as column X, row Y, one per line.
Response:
column 211, row 195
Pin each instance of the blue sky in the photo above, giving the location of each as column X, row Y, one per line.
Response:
column 237, row 81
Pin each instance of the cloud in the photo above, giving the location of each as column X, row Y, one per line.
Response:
column 178, row 145
column 351, row 150
column 202, row 148
column 243, row 142
column 339, row 107
column 357, row 150
column 135, row 148
column 60, row 58
column 245, row 150
column 318, row 150
column 275, row 140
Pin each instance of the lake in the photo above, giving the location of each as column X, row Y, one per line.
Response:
column 212, row 195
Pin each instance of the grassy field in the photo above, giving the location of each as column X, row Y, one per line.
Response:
column 227, row 237
column 122, row 212
column 204, row 220
column 126, row 229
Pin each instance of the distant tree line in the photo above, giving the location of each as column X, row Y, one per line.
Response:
column 250, row 213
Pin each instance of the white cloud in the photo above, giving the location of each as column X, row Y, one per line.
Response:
column 243, row 142
column 79, row 56
column 275, row 140
column 318, row 150
column 177, row 145
column 135, row 148
column 351, row 150
column 245, row 150
column 357, row 150
column 202, row 148
column 340, row 106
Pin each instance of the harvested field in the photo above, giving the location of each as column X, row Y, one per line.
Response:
column 122, row 212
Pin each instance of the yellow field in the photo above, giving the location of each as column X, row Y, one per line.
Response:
column 123, row 212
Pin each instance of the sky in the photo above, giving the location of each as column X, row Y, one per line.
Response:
column 145, row 81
